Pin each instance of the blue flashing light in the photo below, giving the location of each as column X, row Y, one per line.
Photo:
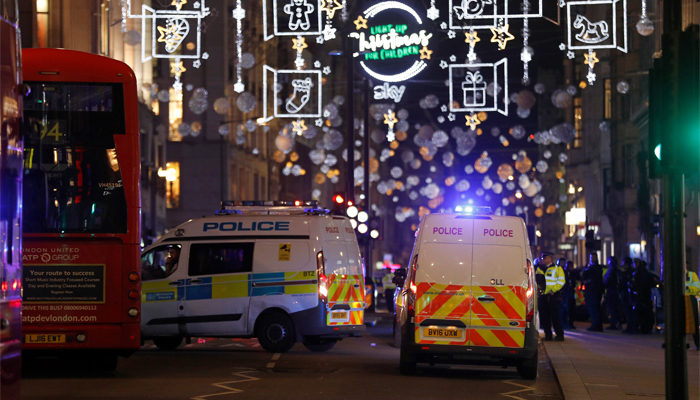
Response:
column 473, row 210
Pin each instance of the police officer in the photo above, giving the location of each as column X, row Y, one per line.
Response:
column 642, row 283
column 624, row 283
column 551, row 297
column 612, row 294
column 592, row 278
column 568, row 294
column 692, row 289
column 389, row 289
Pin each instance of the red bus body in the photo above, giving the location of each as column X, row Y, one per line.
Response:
column 10, row 203
column 81, row 246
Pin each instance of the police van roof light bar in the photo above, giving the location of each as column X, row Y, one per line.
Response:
column 481, row 210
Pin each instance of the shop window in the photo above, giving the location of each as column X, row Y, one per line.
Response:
column 42, row 23
column 578, row 123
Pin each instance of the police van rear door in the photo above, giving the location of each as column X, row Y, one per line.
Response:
column 442, row 280
column 499, row 283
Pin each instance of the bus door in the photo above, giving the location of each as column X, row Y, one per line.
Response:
column 163, row 291
column 217, row 288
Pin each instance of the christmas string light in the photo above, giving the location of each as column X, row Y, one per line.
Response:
column 526, row 54
column 501, row 34
column 299, row 46
column 471, row 37
column 390, row 119
column 125, row 14
column 591, row 60
column 238, row 15
column 645, row 26
column 433, row 12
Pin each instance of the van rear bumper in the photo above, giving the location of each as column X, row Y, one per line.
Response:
column 312, row 323
column 451, row 354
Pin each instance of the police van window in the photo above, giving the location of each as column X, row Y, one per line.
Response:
column 220, row 258
column 160, row 262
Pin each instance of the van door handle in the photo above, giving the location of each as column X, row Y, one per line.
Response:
column 174, row 283
column 487, row 299
column 195, row 281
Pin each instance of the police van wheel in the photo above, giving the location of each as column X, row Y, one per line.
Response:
column 167, row 342
column 276, row 333
column 528, row 367
column 320, row 344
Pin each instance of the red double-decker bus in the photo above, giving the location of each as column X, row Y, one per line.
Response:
column 10, row 202
column 81, row 285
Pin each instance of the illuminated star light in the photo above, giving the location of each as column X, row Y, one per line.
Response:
column 170, row 36
column 299, row 44
column 425, row 53
column 433, row 13
column 443, row 64
column 326, row 70
column 238, row 87
column 471, row 56
column 205, row 55
column 451, row 34
column 525, row 56
column 197, row 63
column 591, row 59
column 443, row 108
column 571, row 55
column 453, row 58
column 299, row 127
column 177, row 86
column 318, row 122
column 178, row 4
column 299, row 62
column 176, row 68
column 329, row 32
column 360, row 22
column 562, row 46
column 443, row 25
column 196, row 4
column 451, row 117
column 330, row 7
column 317, row 64
column 390, row 119
column 472, row 121
column 591, row 77
column 471, row 38
column 319, row 39
column 501, row 36
column 238, row 13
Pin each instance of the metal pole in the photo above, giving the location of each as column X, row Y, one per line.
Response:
column 350, row 118
column 674, row 256
column 674, row 287
column 366, row 182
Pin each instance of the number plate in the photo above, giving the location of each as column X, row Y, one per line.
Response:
column 44, row 339
column 339, row 315
column 452, row 333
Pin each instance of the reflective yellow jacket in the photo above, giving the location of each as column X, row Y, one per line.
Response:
column 555, row 279
column 692, row 284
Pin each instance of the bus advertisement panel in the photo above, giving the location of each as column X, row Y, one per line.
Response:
column 81, row 285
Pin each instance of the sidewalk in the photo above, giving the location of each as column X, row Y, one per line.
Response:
column 612, row 365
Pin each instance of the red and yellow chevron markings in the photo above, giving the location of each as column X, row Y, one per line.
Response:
column 346, row 290
column 489, row 323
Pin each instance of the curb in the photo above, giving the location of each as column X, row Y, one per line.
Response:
column 570, row 382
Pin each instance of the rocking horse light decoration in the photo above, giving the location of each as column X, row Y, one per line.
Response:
column 590, row 34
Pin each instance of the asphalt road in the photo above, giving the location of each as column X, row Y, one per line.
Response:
column 356, row 368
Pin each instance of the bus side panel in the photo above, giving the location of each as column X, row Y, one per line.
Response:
column 131, row 327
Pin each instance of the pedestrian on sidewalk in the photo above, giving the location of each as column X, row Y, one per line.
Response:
column 551, row 297
column 592, row 278
column 642, row 284
column 612, row 294
column 624, row 279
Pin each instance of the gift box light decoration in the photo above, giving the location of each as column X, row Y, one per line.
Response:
column 607, row 30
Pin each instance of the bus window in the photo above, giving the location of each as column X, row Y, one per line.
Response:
column 160, row 262
column 72, row 173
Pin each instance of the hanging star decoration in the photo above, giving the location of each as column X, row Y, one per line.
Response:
column 433, row 13
column 472, row 37
column 425, row 53
column 330, row 7
column 197, row 63
column 318, row 122
column 299, row 44
column 327, row 70
column 571, row 55
column 472, row 121
column 451, row 117
column 562, row 46
column 453, row 58
column 178, row 4
column 443, row 108
column 319, row 39
column 360, row 23
column 390, row 119
column 176, row 68
column 299, row 126
column 317, row 64
column 238, row 13
column 328, row 32
column 451, row 34
column 443, row 25
column 443, row 64
column 591, row 77
column 501, row 36
column 591, row 59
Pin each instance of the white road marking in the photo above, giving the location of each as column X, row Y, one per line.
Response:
column 225, row 385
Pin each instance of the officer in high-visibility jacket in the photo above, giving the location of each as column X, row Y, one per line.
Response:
column 692, row 289
column 550, row 300
column 389, row 289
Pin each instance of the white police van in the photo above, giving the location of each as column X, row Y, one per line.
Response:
column 281, row 272
column 469, row 296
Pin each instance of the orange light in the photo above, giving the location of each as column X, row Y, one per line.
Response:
column 4, row 286
column 297, row 203
column 350, row 203
column 338, row 199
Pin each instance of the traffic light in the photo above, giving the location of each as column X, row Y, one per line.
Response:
column 674, row 105
column 339, row 199
column 376, row 228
